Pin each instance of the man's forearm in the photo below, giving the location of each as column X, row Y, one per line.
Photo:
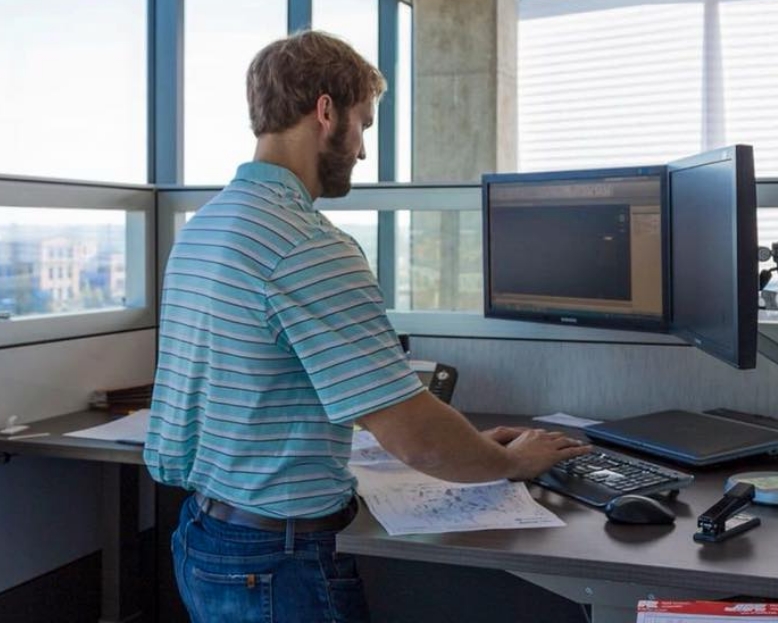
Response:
column 436, row 439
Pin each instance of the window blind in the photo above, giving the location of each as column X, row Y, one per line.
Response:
column 627, row 82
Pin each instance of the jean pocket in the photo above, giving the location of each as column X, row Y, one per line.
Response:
column 347, row 599
column 233, row 597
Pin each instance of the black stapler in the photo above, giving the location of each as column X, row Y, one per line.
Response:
column 724, row 519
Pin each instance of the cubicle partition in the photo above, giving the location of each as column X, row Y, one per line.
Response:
column 52, row 359
column 77, row 314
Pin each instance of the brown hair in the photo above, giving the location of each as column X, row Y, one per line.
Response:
column 286, row 78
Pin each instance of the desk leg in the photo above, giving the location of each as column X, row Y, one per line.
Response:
column 120, row 601
column 611, row 602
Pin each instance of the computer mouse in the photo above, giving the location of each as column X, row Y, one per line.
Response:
column 638, row 509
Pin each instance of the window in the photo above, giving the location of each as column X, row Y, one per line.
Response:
column 361, row 31
column 622, row 82
column 441, row 271
column 47, row 252
column 74, row 85
column 219, row 44
column 218, row 47
column 404, row 107
column 84, row 267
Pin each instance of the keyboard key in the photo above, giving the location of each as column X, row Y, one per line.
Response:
column 598, row 477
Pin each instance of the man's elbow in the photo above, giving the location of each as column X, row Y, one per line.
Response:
column 426, row 460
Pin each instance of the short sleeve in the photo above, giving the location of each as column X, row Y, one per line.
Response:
column 325, row 305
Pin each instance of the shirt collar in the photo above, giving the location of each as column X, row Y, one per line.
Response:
column 258, row 171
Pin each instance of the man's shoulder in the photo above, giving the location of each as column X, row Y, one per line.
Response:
column 270, row 207
column 260, row 194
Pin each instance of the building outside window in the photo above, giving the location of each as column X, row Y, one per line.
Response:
column 55, row 261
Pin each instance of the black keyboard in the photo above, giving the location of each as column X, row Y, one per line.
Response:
column 598, row 477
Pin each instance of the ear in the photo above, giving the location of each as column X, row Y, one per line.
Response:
column 325, row 113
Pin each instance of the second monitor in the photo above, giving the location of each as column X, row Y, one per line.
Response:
column 714, row 266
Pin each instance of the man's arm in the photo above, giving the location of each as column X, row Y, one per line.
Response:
column 436, row 439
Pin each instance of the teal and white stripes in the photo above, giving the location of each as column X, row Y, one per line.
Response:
column 273, row 339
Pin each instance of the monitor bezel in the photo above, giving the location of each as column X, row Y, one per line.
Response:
column 580, row 318
column 745, row 272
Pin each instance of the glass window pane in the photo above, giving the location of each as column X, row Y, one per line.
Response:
column 621, row 83
column 218, row 47
column 403, row 116
column 74, row 89
column 439, row 261
column 750, row 76
column 608, row 86
column 55, row 260
column 356, row 21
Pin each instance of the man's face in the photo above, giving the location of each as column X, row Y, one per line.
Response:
column 344, row 147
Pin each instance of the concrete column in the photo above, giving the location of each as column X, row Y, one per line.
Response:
column 464, row 91
column 464, row 124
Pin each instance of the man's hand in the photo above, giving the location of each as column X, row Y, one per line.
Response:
column 434, row 438
column 504, row 434
column 535, row 451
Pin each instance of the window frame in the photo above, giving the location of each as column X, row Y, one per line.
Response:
column 164, row 204
column 30, row 192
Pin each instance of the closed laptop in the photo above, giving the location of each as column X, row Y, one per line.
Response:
column 690, row 437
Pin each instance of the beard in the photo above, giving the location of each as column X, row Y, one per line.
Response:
column 336, row 163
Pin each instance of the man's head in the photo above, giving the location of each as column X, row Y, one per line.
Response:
column 286, row 79
column 313, row 73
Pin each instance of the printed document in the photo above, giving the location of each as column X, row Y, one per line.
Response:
column 406, row 501
column 127, row 429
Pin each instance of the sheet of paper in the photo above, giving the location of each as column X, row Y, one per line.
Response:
column 650, row 611
column 405, row 501
column 565, row 419
column 365, row 450
column 128, row 429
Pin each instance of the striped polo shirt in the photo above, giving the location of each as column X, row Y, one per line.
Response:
column 273, row 338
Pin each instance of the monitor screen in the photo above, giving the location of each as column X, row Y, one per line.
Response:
column 715, row 274
column 577, row 247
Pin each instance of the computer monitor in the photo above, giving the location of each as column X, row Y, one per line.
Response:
column 715, row 274
column 586, row 248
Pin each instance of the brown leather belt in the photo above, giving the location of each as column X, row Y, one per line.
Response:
column 231, row 514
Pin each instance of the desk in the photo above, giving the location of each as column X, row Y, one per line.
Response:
column 594, row 562
column 589, row 561
column 120, row 466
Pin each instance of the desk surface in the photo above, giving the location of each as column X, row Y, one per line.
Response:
column 590, row 547
column 587, row 547
column 57, row 445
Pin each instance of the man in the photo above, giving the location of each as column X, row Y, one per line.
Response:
column 273, row 343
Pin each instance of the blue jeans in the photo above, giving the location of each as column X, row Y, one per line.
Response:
column 235, row 574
